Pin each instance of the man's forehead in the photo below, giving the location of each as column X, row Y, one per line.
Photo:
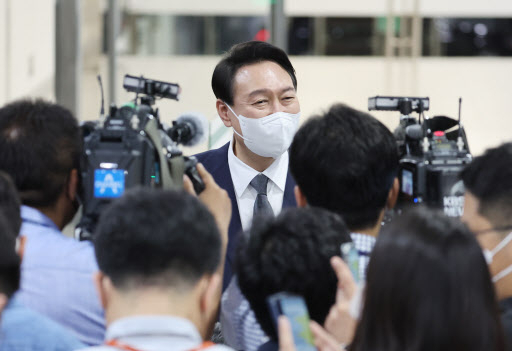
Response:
column 260, row 76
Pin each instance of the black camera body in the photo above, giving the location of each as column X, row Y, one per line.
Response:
column 432, row 154
column 128, row 148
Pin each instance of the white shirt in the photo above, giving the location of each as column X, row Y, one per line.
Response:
column 242, row 174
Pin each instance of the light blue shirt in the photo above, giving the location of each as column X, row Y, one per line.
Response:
column 57, row 278
column 26, row 330
column 155, row 333
column 240, row 328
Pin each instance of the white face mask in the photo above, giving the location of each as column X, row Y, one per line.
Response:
column 489, row 254
column 268, row 136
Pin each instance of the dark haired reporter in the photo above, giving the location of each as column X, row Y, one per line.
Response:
column 428, row 288
column 40, row 146
column 161, row 256
column 488, row 213
column 256, row 91
column 346, row 161
column 291, row 253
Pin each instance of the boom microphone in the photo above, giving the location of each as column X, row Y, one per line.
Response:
column 189, row 129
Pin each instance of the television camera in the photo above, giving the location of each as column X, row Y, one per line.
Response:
column 432, row 151
column 131, row 147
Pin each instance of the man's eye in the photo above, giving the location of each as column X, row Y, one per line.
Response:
column 259, row 102
column 289, row 98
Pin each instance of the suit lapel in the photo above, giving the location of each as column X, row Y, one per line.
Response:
column 289, row 196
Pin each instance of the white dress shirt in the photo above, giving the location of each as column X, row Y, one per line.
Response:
column 242, row 174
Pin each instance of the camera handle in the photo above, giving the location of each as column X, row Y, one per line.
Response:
column 169, row 180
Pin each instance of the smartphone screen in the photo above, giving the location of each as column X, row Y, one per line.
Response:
column 350, row 255
column 294, row 307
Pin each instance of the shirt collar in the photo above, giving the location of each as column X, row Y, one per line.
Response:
column 34, row 216
column 364, row 243
column 242, row 174
column 153, row 325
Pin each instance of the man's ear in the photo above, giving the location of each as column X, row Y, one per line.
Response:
column 210, row 296
column 72, row 186
column 223, row 112
column 102, row 284
column 3, row 301
column 20, row 245
column 393, row 194
column 299, row 197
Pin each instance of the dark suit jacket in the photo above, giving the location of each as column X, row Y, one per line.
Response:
column 216, row 162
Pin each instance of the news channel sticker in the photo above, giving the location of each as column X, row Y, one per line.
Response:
column 109, row 183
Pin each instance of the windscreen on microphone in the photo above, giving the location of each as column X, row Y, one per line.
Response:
column 189, row 129
column 414, row 132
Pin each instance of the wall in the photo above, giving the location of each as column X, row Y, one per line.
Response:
column 27, row 48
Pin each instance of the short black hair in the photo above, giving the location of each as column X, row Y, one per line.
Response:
column 10, row 203
column 291, row 253
column 428, row 287
column 345, row 161
column 40, row 143
column 157, row 237
column 9, row 260
column 489, row 178
column 245, row 54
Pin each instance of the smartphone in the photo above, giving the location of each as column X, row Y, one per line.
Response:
column 294, row 307
column 350, row 255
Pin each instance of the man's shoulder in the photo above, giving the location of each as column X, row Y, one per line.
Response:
column 213, row 157
column 44, row 243
column 22, row 326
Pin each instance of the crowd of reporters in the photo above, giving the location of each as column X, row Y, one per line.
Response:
column 166, row 267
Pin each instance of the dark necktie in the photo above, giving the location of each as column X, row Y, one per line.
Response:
column 261, row 205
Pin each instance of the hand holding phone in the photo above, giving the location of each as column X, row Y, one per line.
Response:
column 294, row 307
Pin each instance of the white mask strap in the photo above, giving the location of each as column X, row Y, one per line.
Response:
column 502, row 244
column 502, row 274
column 225, row 103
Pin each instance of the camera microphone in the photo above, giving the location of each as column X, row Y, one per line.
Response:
column 189, row 129
column 414, row 132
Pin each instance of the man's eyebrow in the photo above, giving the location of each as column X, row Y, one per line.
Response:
column 263, row 91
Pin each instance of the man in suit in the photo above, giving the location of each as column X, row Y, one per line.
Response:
column 255, row 87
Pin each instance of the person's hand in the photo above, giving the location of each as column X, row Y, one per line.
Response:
column 215, row 198
column 339, row 323
column 284, row 329
column 323, row 340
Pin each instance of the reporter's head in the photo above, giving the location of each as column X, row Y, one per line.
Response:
column 159, row 252
column 346, row 161
column 41, row 145
column 488, row 183
column 428, row 288
column 291, row 253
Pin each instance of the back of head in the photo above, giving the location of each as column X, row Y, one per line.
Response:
column 428, row 288
column 345, row 161
column 291, row 253
column 489, row 179
column 246, row 54
column 152, row 237
column 9, row 259
column 10, row 203
column 40, row 143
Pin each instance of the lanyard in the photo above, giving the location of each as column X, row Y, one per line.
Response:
column 125, row 347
